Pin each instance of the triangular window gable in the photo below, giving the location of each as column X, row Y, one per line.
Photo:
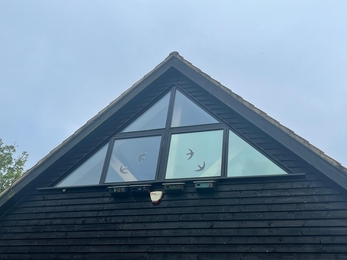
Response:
column 195, row 146
column 245, row 160
column 153, row 118
column 186, row 113
column 88, row 173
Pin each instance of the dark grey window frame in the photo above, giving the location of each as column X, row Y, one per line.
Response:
column 166, row 134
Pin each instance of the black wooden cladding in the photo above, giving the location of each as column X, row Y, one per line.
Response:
column 243, row 220
column 270, row 218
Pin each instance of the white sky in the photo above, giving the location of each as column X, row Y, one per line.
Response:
column 61, row 62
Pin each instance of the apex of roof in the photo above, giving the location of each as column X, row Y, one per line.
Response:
column 170, row 61
column 174, row 53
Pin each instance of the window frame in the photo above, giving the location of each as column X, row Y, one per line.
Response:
column 165, row 134
column 123, row 137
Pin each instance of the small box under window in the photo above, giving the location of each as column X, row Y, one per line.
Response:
column 205, row 185
column 140, row 189
column 176, row 187
column 119, row 190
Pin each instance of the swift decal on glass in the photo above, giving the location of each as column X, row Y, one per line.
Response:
column 141, row 157
column 191, row 153
column 201, row 168
column 123, row 169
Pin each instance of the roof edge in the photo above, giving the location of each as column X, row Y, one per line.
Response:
column 305, row 143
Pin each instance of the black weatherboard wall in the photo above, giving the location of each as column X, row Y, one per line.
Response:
column 302, row 215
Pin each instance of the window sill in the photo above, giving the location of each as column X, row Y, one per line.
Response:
column 230, row 180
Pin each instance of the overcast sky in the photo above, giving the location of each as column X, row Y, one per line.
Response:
column 61, row 62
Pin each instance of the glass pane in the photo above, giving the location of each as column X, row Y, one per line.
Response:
column 88, row 173
column 186, row 113
column 134, row 159
column 244, row 160
column 153, row 118
column 195, row 155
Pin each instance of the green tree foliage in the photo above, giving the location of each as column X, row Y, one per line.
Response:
column 11, row 168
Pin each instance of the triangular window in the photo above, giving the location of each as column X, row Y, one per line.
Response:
column 175, row 138
column 153, row 118
column 187, row 113
column 244, row 160
column 88, row 173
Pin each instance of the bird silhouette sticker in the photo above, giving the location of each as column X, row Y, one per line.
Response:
column 201, row 168
column 141, row 157
column 123, row 169
column 191, row 153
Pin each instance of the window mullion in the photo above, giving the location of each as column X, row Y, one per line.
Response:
column 165, row 145
column 225, row 151
column 161, row 169
column 107, row 161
